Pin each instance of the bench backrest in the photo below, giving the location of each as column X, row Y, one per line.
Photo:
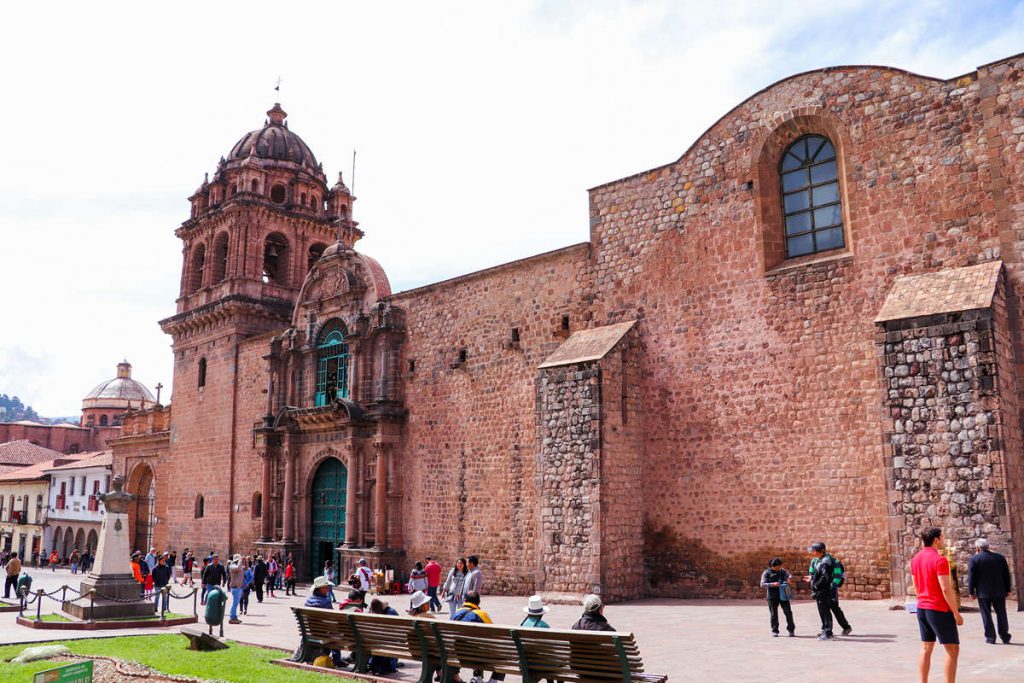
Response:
column 579, row 656
column 478, row 646
column 325, row 627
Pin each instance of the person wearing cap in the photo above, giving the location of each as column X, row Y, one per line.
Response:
column 593, row 616
column 535, row 609
column 470, row 612
column 161, row 577
column 236, row 579
column 988, row 579
column 136, row 564
column 825, row 591
column 365, row 575
column 775, row 580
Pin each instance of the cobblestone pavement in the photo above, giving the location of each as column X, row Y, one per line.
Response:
column 691, row 640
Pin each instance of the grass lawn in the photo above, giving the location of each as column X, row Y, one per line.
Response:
column 170, row 654
column 61, row 617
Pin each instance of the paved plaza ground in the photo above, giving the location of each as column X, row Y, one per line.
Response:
column 691, row 640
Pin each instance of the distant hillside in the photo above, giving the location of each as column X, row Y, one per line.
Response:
column 12, row 410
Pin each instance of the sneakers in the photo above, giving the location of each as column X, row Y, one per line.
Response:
column 234, row 621
column 775, row 634
column 990, row 641
column 792, row 634
column 1006, row 640
column 826, row 636
column 848, row 630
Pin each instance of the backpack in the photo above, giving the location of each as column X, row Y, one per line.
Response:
column 838, row 572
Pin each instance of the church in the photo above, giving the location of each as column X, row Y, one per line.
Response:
column 806, row 327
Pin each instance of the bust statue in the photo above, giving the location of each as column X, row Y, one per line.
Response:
column 116, row 501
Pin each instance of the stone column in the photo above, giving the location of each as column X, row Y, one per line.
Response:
column 288, row 503
column 351, row 523
column 266, row 516
column 380, row 511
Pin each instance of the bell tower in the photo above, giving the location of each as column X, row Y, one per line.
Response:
column 255, row 228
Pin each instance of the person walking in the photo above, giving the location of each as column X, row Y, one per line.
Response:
column 272, row 575
column 329, row 571
column 775, row 579
column 825, row 576
column 54, row 560
column 236, row 580
column 188, row 565
column 161, row 578
column 243, row 604
column 213, row 575
column 454, row 589
column 433, row 570
column 418, row 579
column 988, row 579
column 937, row 613
column 13, row 571
column 73, row 560
column 365, row 575
column 259, row 578
column 172, row 562
column 289, row 577
column 151, row 559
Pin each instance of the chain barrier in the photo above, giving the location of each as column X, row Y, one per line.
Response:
column 91, row 595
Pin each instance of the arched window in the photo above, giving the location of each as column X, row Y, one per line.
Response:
column 103, row 420
column 198, row 264
column 331, row 364
column 255, row 186
column 202, row 373
column 342, row 213
column 302, row 199
column 275, row 259
column 200, row 506
column 810, row 197
column 277, row 194
column 257, row 505
column 315, row 252
column 220, row 258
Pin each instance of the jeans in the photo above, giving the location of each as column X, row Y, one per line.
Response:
column 236, row 597
column 243, row 604
column 986, row 605
column 432, row 592
column 828, row 604
column 157, row 594
column 453, row 606
column 74, row 567
column 773, row 609
column 202, row 596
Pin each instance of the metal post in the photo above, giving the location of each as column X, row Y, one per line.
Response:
column 39, row 606
column 163, row 597
column 63, row 595
column 195, row 597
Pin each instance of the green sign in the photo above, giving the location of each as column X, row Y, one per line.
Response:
column 72, row 673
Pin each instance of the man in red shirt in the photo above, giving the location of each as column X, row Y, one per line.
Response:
column 433, row 570
column 937, row 613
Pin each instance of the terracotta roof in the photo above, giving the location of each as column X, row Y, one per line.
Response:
column 587, row 345
column 36, row 471
column 92, row 459
column 945, row 291
column 24, row 452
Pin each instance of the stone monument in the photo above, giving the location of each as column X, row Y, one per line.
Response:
column 110, row 575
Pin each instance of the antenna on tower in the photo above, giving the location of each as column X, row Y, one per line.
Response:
column 353, row 170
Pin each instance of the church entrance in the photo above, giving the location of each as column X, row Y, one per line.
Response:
column 142, row 513
column 328, row 500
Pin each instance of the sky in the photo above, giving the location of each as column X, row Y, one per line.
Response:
column 478, row 128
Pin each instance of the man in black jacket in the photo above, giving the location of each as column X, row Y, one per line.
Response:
column 826, row 591
column 161, row 577
column 259, row 577
column 988, row 578
column 213, row 575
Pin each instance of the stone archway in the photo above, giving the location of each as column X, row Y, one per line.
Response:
column 68, row 545
column 92, row 541
column 328, row 492
column 142, row 510
column 58, row 537
column 79, row 541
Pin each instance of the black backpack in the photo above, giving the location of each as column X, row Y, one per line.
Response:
column 838, row 572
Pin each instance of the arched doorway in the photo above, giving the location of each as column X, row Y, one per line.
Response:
column 80, row 541
column 69, row 545
column 94, row 540
column 58, row 536
column 142, row 510
column 328, row 513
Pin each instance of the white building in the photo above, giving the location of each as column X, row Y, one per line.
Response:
column 23, row 494
column 75, row 512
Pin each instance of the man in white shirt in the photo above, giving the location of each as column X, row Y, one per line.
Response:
column 365, row 575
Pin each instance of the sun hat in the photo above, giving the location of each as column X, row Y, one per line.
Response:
column 418, row 599
column 320, row 582
column 236, row 558
column 591, row 603
column 536, row 606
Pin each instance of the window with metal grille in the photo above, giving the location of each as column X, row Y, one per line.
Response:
column 811, row 205
column 331, row 365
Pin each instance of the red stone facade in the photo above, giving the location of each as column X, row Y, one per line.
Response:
column 745, row 415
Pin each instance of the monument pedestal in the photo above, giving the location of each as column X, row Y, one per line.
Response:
column 110, row 592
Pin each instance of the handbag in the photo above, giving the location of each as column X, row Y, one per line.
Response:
column 785, row 591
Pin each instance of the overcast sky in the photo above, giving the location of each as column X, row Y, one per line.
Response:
column 479, row 126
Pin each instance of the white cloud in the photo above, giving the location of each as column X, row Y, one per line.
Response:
column 479, row 127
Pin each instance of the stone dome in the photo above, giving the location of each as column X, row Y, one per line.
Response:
column 119, row 391
column 274, row 141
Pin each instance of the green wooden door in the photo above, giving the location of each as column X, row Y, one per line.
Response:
column 329, row 493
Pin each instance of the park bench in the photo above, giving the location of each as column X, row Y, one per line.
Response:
column 532, row 654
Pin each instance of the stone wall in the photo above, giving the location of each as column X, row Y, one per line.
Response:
column 942, row 427
column 569, row 479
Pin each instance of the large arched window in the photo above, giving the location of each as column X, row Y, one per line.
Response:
column 103, row 420
column 811, row 206
column 220, row 258
column 275, row 259
column 331, row 364
column 198, row 265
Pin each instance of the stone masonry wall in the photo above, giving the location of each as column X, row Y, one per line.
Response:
column 760, row 385
column 569, row 478
column 942, row 424
column 468, row 450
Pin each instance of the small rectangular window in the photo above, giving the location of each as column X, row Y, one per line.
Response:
column 412, row 365
column 463, row 355
column 565, row 323
column 515, row 335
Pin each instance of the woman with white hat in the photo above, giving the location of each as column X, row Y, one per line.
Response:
column 419, row 606
column 320, row 593
column 535, row 609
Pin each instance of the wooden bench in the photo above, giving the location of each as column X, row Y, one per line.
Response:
column 532, row 654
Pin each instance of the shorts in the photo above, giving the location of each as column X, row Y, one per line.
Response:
column 935, row 623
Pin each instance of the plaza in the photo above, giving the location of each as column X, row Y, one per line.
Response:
column 699, row 641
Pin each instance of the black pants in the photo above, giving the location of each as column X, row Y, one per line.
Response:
column 494, row 677
column 435, row 604
column 773, row 610
column 986, row 605
column 12, row 582
column 258, row 587
column 828, row 605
